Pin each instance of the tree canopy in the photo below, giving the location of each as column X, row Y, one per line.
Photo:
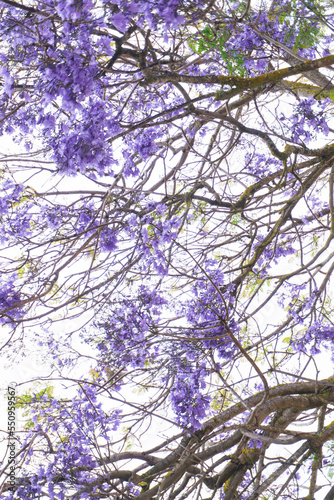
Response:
column 167, row 226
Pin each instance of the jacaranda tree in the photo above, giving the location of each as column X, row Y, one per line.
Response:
column 167, row 226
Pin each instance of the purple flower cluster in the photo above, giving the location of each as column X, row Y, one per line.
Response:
column 82, row 144
column 13, row 195
column 108, row 240
column 54, row 216
column 286, row 30
column 155, row 234
column 63, row 99
column 127, row 331
column 208, row 312
column 260, row 165
column 145, row 144
column 154, row 13
column 14, row 212
column 320, row 333
column 73, row 428
column 93, row 113
column 77, row 218
column 142, row 145
column 272, row 254
column 188, row 402
column 316, row 203
column 307, row 120
column 127, row 327
column 10, row 299
column 298, row 305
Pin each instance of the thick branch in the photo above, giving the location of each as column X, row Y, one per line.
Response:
column 241, row 83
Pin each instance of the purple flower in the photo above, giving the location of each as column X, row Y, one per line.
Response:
column 10, row 299
column 188, row 402
column 308, row 119
column 120, row 22
column 108, row 240
column 318, row 334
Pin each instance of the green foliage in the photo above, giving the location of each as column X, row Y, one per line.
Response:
column 254, row 282
column 200, row 213
column 236, row 218
column 220, row 400
column 308, row 32
column 207, row 41
column 95, row 374
column 302, row 33
column 29, row 399
column 130, row 438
